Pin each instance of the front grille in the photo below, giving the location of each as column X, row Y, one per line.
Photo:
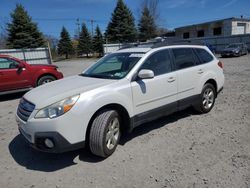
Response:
column 25, row 108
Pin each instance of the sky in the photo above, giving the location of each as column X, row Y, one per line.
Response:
column 51, row 15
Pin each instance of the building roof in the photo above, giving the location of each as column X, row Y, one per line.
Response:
column 221, row 20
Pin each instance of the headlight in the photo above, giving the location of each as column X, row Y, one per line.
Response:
column 57, row 109
column 236, row 50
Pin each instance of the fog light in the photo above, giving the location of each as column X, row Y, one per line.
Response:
column 49, row 143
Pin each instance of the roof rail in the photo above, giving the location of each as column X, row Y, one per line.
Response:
column 179, row 42
column 157, row 44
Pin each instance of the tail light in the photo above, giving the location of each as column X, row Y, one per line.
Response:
column 220, row 64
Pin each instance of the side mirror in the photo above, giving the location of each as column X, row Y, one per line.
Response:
column 146, row 74
column 21, row 66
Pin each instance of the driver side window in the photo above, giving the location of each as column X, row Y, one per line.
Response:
column 6, row 63
column 159, row 63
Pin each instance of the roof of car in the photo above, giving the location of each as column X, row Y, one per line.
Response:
column 145, row 50
column 135, row 50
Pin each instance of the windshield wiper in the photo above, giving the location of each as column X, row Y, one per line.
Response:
column 98, row 76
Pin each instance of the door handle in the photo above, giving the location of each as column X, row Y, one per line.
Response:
column 171, row 79
column 200, row 71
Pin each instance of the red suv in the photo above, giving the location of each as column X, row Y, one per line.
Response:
column 17, row 75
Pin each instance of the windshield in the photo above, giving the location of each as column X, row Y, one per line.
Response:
column 233, row 46
column 113, row 66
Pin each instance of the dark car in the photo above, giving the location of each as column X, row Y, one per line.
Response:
column 236, row 50
column 17, row 75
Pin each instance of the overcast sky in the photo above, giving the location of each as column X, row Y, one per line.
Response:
column 51, row 15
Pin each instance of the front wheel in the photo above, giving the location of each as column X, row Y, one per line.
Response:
column 105, row 133
column 206, row 99
column 45, row 80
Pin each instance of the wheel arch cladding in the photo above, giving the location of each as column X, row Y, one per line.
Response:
column 213, row 82
column 121, row 110
column 45, row 74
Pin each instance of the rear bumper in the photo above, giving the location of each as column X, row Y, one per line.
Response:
column 60, row 143
column 219, row 91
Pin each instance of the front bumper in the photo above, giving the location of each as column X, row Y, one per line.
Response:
column 60, row 143
column 65, row 133
column 230, row 53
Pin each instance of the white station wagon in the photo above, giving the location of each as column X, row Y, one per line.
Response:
column 119, row 92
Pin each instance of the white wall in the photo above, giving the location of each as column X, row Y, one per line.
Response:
column 240, row 27
column 31, row 56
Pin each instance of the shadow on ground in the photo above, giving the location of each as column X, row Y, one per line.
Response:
column 26, row 156
column 156, row 124
column 35, row 160
column 9, row 97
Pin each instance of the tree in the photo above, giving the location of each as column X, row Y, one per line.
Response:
column 152, row 6
column 121, row 28
column 65, row 45
column 98, row 41
column 22, row 32
column 147, row 27
column 85, row 42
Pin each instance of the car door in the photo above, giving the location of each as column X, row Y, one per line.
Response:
column 157, row 96
column 11, row 77
column 188, row 74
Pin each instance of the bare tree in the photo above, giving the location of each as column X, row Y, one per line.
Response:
column 153, row 7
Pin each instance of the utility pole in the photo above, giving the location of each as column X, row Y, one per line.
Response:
column 78, row 27
column 92, row 26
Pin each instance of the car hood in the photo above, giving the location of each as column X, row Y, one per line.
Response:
column 50, row 93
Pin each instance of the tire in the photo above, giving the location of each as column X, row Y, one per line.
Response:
column 206, row 99
column 105, row 133
column 45, row 79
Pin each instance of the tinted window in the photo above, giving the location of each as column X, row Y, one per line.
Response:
column 159, row 63
column 204, row 56
column 184, row 57
column 6, row 63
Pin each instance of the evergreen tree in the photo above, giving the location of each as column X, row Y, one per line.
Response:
column 121, row 28
column 98, row 41
column 147, row 27
column 22, row 32
column 85, row 41
column 65, row 45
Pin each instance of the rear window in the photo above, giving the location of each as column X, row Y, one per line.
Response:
column 184, row 57
column 203, row 55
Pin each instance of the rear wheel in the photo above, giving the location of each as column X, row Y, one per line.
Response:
column 105, row 133
column 206, row 99
column 45, row 80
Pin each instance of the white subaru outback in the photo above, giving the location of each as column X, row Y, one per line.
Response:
column 121, row 91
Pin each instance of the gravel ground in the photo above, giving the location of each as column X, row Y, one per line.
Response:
column 181, row 150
